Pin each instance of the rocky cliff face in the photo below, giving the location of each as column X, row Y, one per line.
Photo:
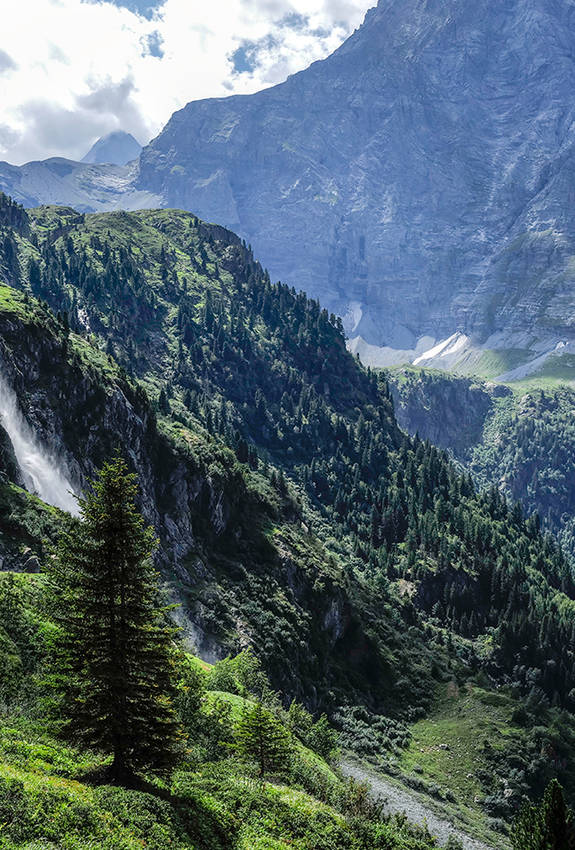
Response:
column 9, row 468
column 450, row 412
column 419, row 180
column 81, row 419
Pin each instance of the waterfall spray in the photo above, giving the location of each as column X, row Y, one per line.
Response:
column 39, row 469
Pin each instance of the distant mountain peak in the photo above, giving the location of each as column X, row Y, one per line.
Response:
column 117, row 148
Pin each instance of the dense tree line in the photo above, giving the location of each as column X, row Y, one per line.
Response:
column 189, row 311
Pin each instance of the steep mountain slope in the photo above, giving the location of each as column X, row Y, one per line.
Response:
column 212, row 519
column 520, row 439
column 117, row 148
column 232, row 539
column 418, row 180
column 294, row 516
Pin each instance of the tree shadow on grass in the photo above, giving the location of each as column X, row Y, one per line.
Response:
column 195, row 818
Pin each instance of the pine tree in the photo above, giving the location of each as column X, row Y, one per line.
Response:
column 113, row 655
column 261, row 737
column 548, row 826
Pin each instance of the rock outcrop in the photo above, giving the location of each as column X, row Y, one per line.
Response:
column 8, row 463
column 450, row 412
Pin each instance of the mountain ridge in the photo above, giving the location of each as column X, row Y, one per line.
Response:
column 418, row 180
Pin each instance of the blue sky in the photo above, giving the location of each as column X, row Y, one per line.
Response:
column 74, row 70
column 142, row 7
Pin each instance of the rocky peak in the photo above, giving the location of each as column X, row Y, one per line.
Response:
column 116, row 148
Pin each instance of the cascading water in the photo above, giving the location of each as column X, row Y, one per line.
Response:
column 39, row 470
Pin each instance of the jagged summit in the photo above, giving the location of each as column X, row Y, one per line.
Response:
column 116, row 148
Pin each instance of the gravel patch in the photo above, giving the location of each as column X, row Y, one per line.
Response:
column 398, row 800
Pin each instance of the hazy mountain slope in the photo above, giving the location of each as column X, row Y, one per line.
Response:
column 521, row 440
column 117, row 148
column 86, row 186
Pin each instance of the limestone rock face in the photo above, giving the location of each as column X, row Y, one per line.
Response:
column 8, row 463
column 420, row 180
column 450, row 412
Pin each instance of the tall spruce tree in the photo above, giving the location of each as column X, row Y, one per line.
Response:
column 114, row 657
column 262, row 738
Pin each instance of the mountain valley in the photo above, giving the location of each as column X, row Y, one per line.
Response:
column 287, row 450
column 295, row 517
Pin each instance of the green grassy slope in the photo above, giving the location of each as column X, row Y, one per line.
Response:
column 50, row 797
column 294, row 516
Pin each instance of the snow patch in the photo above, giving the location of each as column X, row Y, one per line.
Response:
column 454, row 344
column 353, row 317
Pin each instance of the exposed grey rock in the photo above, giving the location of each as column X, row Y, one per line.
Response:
column 420, row 181
column 399, row 800
column 450, row 412
column 117, row 148
column 8, row 463
column 84, row 186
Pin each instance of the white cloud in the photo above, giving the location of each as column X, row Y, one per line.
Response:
column 71, row 71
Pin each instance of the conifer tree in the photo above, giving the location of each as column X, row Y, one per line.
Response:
column 548, row 826
column 262, row 738
column 113, row 655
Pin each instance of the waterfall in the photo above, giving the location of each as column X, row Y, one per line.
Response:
column 39, row 469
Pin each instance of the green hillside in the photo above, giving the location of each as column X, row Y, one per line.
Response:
column 362, row 568
column 51, row 795
column 520, row 437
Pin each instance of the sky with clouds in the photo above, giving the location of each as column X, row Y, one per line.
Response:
column 74, row 70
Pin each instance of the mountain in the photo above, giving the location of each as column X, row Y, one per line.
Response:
column 116, row 148
column 294, row 517
column 418, row 181
column 87, row 187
